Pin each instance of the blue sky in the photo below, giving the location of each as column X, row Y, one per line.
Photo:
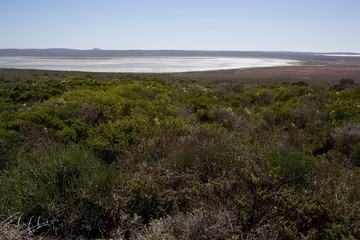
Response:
column 266, row 25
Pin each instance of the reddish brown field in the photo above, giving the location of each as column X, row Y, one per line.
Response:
column 309, row 72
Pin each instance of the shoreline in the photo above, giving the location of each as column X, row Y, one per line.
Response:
column 315, row 72
column 145, row 64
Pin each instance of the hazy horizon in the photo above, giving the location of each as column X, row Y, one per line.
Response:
column 205, row 25
column 185, row 50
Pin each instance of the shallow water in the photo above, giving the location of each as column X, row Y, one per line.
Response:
column 141, row 64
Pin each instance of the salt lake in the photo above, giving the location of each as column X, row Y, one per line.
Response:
column 141, row 64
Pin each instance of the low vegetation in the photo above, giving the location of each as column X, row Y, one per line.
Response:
column 157, row 157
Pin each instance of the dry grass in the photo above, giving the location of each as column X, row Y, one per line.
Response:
column 197, row 225
column 14, row 228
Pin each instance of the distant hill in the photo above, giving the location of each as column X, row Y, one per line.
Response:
column 99, row 53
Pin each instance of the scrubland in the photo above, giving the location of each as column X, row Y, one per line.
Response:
column 159, row 157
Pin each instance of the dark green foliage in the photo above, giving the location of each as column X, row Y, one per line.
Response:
column 32, row 91
column 66, row 185
column 205, row 116
column 344, row 84
column 302, row 215
column 207, row 163
column 356, row 154
column 344, row 106
column 8, row 148
column 113, row 137
column 155, row 157
column 289, row 166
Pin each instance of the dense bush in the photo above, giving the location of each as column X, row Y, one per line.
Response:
column 66, row 185
column 290, row 167
column 150, row 157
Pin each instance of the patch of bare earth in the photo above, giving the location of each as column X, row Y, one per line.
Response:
column 306, row 72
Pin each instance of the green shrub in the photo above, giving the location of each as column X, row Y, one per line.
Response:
column 207, row 163
column 289, row 166
column 197, row 103
column 68, row 134
column 302, row 216
column 178, row 146
column 284, row 94
column 66, row 185
column 259, row 96
column 150, row 199
column 32, row 91
column 8, row 147
column 344, row 107
column 279, row 112
column 115, row 136
column 205, row 115
column 344, row 84
column 356, row 154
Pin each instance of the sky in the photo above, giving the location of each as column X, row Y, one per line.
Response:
column 238, row 25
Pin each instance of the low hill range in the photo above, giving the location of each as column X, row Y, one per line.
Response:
column 99, row 53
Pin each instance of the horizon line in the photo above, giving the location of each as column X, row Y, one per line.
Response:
column 184, row 50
